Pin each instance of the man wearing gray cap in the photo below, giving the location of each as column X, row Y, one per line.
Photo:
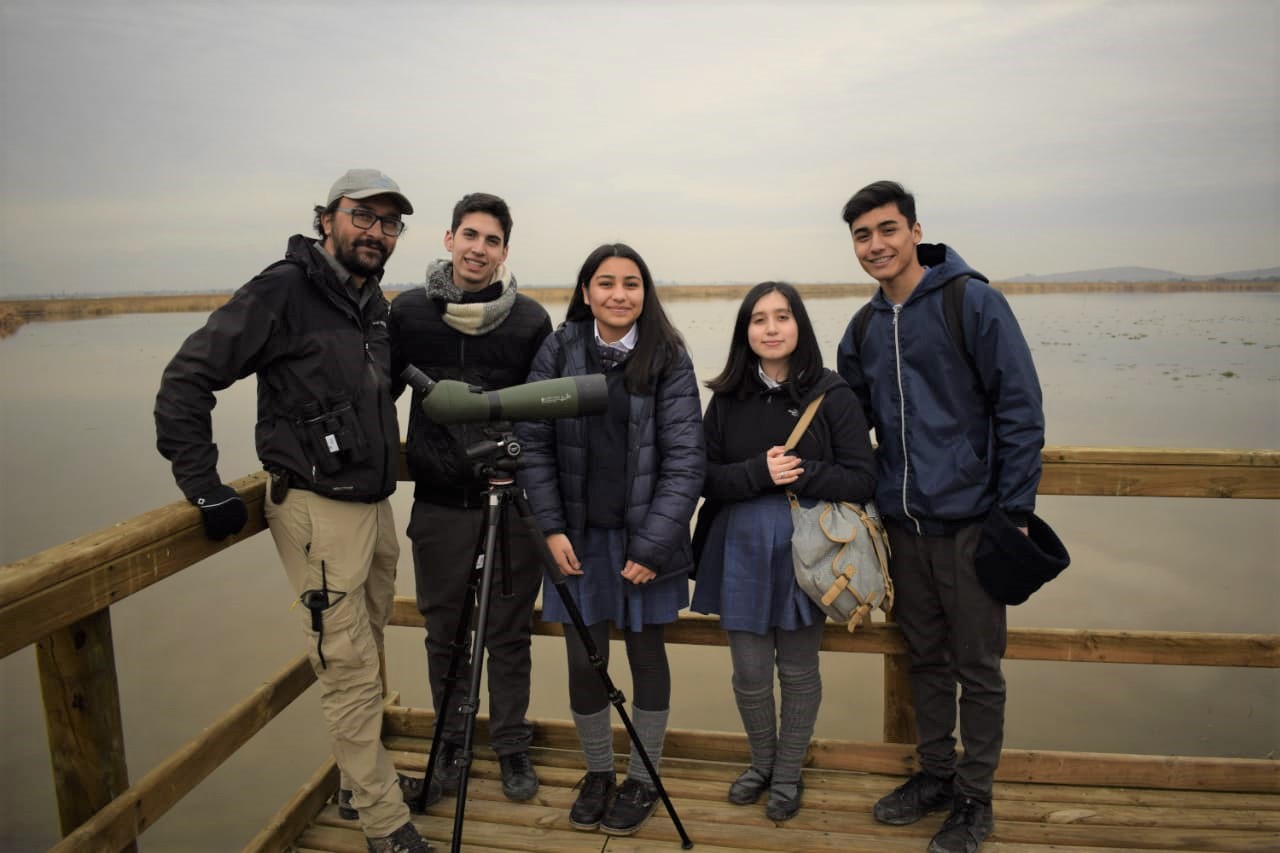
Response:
column 313, row 327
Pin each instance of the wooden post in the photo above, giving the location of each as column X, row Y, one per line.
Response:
column 899, row 714
column 82, row 714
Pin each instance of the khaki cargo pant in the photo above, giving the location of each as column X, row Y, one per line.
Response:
column 350, row 548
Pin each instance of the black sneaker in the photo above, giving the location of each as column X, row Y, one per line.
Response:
column 519, row 782
column 346, row 811
column 912, row 800
column 784, row 800
column 748, row 787
column 406, row 839
column 592, row 800
column 410, row 787
column 964, row 829
column 446, row 770
column 630, row 808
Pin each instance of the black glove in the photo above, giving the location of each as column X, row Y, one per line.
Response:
column 222, row 512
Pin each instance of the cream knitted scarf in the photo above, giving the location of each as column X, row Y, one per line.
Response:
column 470, row 318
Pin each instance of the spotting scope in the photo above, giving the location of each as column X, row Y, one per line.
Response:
column 452, row 402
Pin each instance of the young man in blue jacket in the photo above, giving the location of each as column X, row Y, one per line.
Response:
column 947, row 381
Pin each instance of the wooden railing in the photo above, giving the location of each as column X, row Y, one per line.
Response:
column 60, row 599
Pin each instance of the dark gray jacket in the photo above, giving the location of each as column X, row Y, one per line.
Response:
column 496, row 359
column 325, row 413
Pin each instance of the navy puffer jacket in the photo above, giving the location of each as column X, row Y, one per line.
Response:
column 665, row 458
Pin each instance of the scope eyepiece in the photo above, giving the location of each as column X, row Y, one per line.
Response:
column 416, row 379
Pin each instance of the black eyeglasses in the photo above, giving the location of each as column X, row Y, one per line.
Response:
column 364, row 219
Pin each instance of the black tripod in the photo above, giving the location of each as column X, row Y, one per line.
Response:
column 503, row 493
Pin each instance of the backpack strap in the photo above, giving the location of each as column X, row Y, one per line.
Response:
column 861, row 322
column 803, row 423
column 953, row 313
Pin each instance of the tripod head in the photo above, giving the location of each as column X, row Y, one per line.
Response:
column 495, row 458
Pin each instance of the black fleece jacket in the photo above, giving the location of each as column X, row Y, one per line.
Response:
column 836, row 449
column 325, row 413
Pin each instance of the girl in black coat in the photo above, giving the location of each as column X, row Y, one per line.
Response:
column 745, row 572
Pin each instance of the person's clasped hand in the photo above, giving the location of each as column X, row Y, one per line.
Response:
column 222, row 511
column 784, row 468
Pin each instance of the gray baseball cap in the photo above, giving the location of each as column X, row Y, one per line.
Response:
column 367, row 183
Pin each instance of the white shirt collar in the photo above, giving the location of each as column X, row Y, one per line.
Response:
column 769, row 381
column 626, row 344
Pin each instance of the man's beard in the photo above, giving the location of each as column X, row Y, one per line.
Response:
column 355, row 264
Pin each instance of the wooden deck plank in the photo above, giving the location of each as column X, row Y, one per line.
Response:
column 1016, row 765
column 1030, row 817
column 827, row 790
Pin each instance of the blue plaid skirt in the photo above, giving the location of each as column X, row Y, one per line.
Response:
column 601, row 592
column 746, row 574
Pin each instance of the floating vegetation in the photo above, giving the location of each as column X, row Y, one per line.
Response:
column 1229, row 374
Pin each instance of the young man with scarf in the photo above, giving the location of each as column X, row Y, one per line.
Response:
column 469, row 323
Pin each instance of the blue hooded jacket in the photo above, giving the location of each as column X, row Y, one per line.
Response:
column 953, row 439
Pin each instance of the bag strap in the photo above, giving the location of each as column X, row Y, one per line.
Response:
column 803, row 423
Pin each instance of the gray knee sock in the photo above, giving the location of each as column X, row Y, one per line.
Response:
column 651, row 728
column 595, row 733
column 801, row 696
column 759, row 721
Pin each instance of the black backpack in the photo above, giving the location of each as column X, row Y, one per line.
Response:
column 952, row 310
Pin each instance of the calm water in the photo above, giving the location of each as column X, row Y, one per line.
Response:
column 1192, row 370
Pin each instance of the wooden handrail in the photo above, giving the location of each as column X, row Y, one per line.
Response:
column 142, row 804
column 56, row 589
column 1174, row 648
column 61, row 585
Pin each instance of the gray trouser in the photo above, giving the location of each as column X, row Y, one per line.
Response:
column 778, row 750
column 444, row 541
column 955, row 633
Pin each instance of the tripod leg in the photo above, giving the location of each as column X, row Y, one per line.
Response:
column 458, row 648
column 616, row 698
column 497, row 505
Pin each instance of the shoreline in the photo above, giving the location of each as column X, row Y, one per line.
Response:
column 14, row 313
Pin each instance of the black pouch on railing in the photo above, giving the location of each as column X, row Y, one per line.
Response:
column 333, row 436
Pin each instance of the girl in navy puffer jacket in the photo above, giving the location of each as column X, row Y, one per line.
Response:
column 613, row 494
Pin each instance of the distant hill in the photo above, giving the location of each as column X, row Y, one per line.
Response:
column 1145, row 274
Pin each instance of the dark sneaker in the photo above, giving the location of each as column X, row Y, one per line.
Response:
column 919, row 795
column 410, row 787
column 964, row 829
column 630, row 808
column 592, row 800
column 446, row 769
column 784, row 800
column 748, row 787
column 346, row 811
column 404, row 840
column 519, row 782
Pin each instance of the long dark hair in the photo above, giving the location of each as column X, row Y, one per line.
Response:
column 804, row 368
column 659, row 341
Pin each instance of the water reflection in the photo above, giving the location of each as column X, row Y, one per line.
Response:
column 1195, row 370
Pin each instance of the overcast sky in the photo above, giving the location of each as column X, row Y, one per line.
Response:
column 176, row 145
